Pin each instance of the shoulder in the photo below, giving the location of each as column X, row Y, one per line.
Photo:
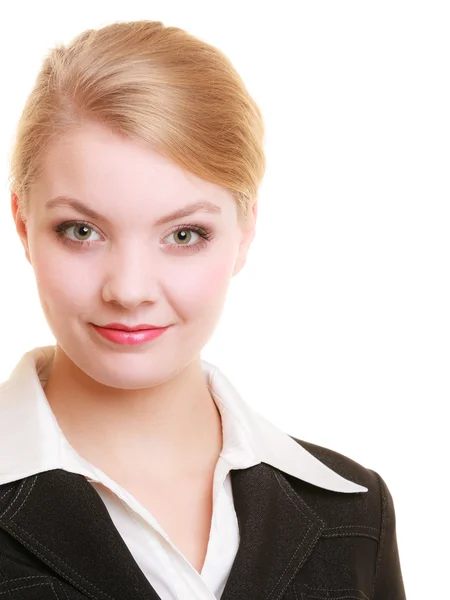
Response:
column 340, row 510
column 360, row 526
column 347, row 517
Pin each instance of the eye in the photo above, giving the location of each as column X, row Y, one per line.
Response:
column 82, row 232
column 77, row 231
column 184, row 236
column 189, row 238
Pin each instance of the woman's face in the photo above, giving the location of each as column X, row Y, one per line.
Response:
column 117, row 256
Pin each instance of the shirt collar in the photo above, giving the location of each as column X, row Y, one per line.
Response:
column 31, row 440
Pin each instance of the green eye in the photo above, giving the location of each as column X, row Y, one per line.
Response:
column 81, row 232
column 77, row 231
column 184, row 236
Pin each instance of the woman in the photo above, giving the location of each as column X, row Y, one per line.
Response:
column 132, row 468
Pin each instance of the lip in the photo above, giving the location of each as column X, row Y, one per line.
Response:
column 128, row 328
column 139, row 334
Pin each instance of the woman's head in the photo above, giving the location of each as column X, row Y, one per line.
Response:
column 135, row 122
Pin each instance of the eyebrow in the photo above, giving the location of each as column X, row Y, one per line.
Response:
column 200, row 205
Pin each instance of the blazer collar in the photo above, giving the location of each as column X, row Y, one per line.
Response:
column 25, row 451
column 59, row 517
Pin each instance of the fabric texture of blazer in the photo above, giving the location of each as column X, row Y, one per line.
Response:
column 297, row 541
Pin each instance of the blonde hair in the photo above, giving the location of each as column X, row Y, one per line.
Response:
column 152, row 83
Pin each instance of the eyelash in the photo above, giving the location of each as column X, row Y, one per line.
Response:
column 205, row 235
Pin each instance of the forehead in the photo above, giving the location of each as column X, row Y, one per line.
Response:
column 100, row 167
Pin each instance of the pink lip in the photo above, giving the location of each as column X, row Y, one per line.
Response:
column 127, row 328
column 121, row 334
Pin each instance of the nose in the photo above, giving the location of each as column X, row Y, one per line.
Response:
column 131, row 279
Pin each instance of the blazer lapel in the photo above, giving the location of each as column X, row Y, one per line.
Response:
column 60, row 518
column 278, row 532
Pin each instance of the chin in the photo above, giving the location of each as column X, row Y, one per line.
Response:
column 143, row 370
column 130, row 371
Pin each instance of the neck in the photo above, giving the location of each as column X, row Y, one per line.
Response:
column 176, row 422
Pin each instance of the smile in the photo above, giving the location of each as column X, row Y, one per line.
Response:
column 126, row 336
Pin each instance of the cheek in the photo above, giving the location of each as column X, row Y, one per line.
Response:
column 201, row 286
column 63, row 285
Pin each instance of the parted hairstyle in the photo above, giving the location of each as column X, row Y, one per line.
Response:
column 154, row 84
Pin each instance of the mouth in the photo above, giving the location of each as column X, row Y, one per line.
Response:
column 126, row 335
column 123, row 327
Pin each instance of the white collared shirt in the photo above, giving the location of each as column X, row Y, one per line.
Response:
column 31, row 442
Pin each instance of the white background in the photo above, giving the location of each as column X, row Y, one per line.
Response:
column 338, row 328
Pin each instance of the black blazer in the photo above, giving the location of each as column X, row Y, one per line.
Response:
column 297, row 541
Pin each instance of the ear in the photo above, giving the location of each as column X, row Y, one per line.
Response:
column 248, row 233
column 21, row 227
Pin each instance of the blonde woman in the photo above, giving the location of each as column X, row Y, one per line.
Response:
column 131, row 468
